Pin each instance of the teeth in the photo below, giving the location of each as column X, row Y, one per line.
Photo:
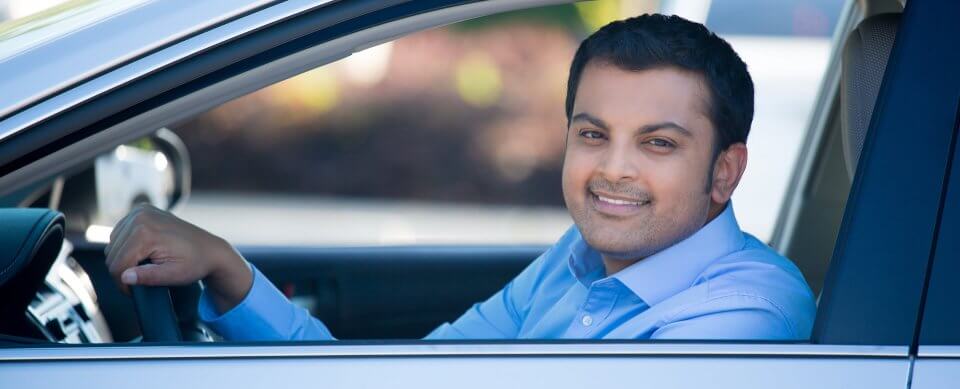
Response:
column 616, row 201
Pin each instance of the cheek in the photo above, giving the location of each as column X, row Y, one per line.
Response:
column 577, row 169
column 675, row 181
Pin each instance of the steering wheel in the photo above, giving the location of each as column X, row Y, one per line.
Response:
column 169, row 314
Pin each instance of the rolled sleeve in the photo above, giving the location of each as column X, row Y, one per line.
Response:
column 264, row 314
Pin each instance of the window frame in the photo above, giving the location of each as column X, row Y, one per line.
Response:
column 870, row 250
column 94, row 124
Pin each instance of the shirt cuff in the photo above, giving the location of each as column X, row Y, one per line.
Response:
column 263, row 314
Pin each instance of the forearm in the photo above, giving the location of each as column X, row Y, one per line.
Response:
column 230, row 281
column 263, row 313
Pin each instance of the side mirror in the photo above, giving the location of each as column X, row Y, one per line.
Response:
column 153, row 170
column 172, row 147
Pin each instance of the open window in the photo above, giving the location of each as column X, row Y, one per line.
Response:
column 358, row 286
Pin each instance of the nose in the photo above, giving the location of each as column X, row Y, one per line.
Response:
column 617, row 164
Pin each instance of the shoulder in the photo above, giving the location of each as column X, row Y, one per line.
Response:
column 551, row 265
column 555, row 258
column 755, row 279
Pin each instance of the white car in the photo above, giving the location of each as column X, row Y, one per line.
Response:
column 874, row 203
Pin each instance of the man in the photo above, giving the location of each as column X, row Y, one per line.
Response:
column 658, row 114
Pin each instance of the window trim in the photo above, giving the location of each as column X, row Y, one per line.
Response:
column 421, row 348
column 76, row 132
column 940, row 320
column 871, row 278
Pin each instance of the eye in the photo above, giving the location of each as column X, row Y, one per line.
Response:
column 657, row 142
column 591, row 134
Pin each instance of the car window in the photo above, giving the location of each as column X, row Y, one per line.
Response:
column 450, row 136
column 447, row 137
column 785, row 18
column 411, row 135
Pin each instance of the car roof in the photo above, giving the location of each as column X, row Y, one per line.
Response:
column 60, row 49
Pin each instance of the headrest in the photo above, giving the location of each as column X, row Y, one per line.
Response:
column 864, row 61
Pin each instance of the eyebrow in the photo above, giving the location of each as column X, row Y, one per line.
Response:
column 584, row 116
column 665, row 125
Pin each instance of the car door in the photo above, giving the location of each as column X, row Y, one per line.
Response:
column 938, row 351
column 865, row 330
column 938, row 348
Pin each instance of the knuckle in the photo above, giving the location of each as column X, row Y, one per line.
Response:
column 115, row 268
column 137, row 216
column 139, row 233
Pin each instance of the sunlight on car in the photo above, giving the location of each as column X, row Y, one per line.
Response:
column 369, row 66
column 98, row 234
column 26, row 23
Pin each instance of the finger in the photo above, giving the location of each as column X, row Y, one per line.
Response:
column 114, row 240
column 133, row 223
column 125, row 221
column 115, row 268
column 113, row 249
column 138, row 247
column 148, row 275
column 128, row 253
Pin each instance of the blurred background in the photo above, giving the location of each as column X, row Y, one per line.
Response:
column 455, row 135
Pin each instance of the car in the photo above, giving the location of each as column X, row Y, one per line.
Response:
column 871, row 217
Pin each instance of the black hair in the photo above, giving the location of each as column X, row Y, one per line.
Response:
column 655, row 41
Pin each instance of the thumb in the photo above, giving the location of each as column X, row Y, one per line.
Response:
column 146, row 274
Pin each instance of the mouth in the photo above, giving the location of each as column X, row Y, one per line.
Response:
column 615, row 205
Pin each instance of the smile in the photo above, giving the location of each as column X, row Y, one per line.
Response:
column 617, row 201
column 616, row 206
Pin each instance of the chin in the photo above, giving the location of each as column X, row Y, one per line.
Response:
column 635, row 239
column 620, row 243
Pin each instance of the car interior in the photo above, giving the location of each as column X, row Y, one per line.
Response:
column 58, row 284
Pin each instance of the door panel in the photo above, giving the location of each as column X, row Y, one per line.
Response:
column 427, row 365
column 937, row 367
column 360, row 293
column 390, row 292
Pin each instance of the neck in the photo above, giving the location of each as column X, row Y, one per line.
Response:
column 614, row 265
column 715, row 210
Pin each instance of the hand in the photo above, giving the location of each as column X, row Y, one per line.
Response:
column 179, row 253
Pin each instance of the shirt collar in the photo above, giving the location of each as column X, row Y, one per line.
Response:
column 669, row 271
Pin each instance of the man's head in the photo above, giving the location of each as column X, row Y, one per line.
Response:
column 658, row 112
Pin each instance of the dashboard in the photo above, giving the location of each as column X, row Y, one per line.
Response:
column 65, row 308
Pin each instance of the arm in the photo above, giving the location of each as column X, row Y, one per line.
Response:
column 737, row 317
column 495, row 318
column 181, row 253
column 502, row 315
column 264, row 314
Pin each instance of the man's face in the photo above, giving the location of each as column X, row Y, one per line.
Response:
column 638, row 159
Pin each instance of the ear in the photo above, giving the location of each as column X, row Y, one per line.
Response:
column 727, row 171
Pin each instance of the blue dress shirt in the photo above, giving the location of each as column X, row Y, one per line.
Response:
column 719, row 283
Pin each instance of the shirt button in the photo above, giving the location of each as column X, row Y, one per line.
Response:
column 587, row 320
